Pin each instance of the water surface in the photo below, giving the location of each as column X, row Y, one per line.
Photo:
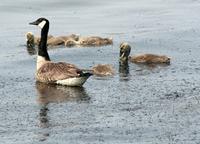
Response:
column 140, row 105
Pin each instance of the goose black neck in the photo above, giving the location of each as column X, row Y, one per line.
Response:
column 42, row 49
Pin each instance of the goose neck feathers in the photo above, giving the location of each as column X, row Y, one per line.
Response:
column 42, row 50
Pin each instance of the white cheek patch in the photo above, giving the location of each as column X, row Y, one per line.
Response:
column 40, row 61
column 41, row 25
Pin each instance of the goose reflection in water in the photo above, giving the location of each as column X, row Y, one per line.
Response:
column 48, row 93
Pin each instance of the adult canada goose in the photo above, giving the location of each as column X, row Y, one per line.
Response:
column 89, row 41
column 143, row 58
column 50, row 72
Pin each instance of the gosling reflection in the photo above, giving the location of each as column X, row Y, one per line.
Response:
column 123, row 70
column 43, row 123
column 43, row 117
column 150, row 69
column 31, row 51
column 48, row 93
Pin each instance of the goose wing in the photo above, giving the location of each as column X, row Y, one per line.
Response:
column 52, row 72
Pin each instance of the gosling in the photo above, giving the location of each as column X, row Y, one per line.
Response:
column 90, row 41
column 103, row 70
column 125, row 49
column 32, row 40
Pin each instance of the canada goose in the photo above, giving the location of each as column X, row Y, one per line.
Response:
column 89, row 41
column 143, row 58
column 58, row 73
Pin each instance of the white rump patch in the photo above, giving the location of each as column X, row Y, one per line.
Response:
column 41, row 25
column 77, row 81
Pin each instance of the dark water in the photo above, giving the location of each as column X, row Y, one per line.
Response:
column 142, row 105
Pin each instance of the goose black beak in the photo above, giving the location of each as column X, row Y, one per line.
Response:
column 33, row 23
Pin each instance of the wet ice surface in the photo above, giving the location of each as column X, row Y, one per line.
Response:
column 149, row 105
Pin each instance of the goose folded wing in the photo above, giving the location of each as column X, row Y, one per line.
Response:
column 51, row 72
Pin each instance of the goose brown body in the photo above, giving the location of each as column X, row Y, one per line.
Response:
column 51, row 72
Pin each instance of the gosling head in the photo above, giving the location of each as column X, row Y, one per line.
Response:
column 75, row 37
column 108, row 40
column 125, row 50
column 41, row 22
column 30, row 40
column 164, row 59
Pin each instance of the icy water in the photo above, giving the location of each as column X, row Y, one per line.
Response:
column 146, row 105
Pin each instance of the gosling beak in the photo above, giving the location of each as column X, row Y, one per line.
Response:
column 122, row 56
column 168, row 60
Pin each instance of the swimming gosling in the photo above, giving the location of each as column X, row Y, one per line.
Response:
column 60, row 40
column 95, row 41
column 125, row 49
column 103, row 70
column 32, row 40
column 90, row 41
column 58, row 73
